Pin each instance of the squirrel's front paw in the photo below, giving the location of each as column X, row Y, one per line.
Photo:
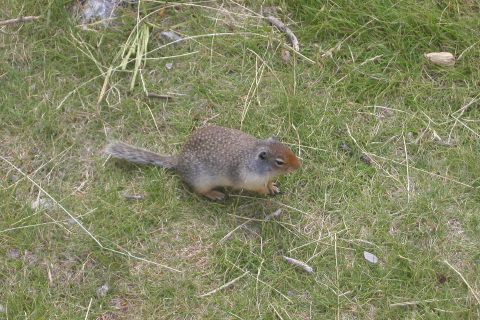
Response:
column 273, row 189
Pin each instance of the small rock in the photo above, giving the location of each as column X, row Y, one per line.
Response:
column 34, row 150
column 365, row 159
column 13, row 253
column 14, row 178
column 370, row 257
column 443, row 58
column 448, row 143
column 103, row 290
column 285, row 56
column 42, row 203
column 116, row 302
column 169, row 36
column 98, row 9
column 71, row 222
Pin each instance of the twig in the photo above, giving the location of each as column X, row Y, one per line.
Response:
column 225, row 285
column 159, row 96
column 299, row 263
column 134, row 197
column 280, row 25
column 17, row 20
column 464, row 280
column 273, row 214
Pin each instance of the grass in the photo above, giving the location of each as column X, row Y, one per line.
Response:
column 413, row 202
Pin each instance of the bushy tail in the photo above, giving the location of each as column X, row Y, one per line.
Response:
column 130, row 153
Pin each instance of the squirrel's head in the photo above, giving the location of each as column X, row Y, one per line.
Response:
column 276, row 158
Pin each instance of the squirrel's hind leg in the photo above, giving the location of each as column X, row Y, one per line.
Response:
column 209, row 193
column 214, row 195
column 204, row 184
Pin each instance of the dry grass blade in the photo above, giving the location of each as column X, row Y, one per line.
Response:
column 105, row 85
column 472, row 290
column 252, row 92
column 141, row 50
column 18, row 20
column 78, row 222
column 88, row 308
column 362, row 79
column 280, row 25
column 409, row 303
column 403, row 164
column 228, row 235
column 160, row 96
column 226, row 285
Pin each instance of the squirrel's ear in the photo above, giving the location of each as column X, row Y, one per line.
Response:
column 273, row 138
column 262, row 155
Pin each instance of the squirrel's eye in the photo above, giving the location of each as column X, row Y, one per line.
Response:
column 279, row 162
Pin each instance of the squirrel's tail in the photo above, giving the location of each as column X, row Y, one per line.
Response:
column 130, row 153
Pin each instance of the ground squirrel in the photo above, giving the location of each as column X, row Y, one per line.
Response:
column 216, row 156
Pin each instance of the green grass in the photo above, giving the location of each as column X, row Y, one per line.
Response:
column 415, row 205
